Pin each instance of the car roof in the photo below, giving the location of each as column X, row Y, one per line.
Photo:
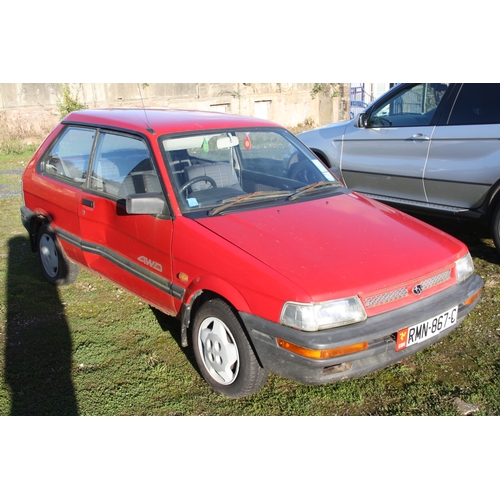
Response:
column 163, row 121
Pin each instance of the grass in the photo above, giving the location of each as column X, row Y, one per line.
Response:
column 93, row 349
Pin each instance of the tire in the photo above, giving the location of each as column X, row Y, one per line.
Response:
column 57, row 268
column 223, row 353
column 495, row 227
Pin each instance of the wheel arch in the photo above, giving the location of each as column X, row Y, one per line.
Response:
column 204, row 289
column 322, row 157
column 492, row 201
column 36, row 222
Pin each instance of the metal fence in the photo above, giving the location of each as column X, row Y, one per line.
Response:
column 358, row 93
column 360, row 99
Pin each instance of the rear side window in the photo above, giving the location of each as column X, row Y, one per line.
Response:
column 123, row 166
column 69, row 157
column 477, row 103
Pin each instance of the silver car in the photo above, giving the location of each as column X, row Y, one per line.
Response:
column 425, row 147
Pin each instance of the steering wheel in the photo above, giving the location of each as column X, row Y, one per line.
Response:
column 304, row 172
column 200, row 178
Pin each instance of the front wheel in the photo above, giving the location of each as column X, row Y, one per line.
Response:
column 495, row 227
column 223, row 353
column 57, row 268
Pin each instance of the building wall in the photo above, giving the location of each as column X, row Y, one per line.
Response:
column 291, row 104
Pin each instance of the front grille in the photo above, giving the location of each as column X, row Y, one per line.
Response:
column 384, row 298
column 436, row 280
column 402, row 292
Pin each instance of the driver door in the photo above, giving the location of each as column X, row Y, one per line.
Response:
column 134, row 251
column 387, row 158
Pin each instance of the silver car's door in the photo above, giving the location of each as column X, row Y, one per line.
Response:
column 464, row 158
column 386, row 158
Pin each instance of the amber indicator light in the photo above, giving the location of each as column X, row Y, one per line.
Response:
column 183, row 277
column 322, row 353
column 473, row 298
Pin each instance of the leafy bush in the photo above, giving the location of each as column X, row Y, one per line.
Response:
column 67, row 103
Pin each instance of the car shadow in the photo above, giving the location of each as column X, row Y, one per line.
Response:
column 173, row 326
column 38, row 346
column 475, row 235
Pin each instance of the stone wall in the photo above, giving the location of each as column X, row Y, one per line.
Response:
column 290, row 104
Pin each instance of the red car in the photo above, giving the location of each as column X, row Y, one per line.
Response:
column 232, row 225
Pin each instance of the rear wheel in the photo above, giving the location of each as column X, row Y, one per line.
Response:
column 223, row 352
column 57, row 268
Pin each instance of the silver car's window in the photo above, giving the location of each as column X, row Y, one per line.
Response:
column 476, row 104
column 411, row 107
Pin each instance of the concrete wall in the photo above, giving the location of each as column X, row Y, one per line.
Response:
column 291, row 104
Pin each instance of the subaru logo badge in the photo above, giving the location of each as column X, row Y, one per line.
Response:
column 417, row 289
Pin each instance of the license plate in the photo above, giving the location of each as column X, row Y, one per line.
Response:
column 425, row 330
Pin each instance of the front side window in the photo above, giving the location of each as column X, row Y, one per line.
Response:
column 123, row 166
column 415, row 106
column 229, row 169
column 68, row 159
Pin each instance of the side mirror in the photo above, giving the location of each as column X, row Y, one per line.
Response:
column 361, row 120
column 147, row 203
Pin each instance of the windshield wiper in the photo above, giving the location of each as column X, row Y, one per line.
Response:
column 256, row 196
column 313, row 187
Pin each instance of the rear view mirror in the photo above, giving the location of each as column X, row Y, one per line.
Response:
column 227, row 142
column 361, row 120
column 147, row 203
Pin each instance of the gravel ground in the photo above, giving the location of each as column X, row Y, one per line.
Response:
column 11, row 190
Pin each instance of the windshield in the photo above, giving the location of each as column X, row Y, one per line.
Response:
column 236, row 168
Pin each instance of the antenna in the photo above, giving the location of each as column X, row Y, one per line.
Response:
column 149, row 129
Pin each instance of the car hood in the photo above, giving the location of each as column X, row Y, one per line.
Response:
column 339, row 246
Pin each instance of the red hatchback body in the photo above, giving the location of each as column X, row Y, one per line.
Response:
column 232, row 225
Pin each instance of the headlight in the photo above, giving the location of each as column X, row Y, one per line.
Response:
column 314, row 317
column 464, row 268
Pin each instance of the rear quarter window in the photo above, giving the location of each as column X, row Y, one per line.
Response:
column 68, row 159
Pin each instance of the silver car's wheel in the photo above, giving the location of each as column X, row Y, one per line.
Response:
column 223, row 352
column 495, row 227
column 57, row 268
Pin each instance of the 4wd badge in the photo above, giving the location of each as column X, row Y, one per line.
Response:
column 151, row 263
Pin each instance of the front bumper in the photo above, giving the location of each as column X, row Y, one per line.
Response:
column 379, row 331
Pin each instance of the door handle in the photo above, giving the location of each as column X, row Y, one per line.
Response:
column 420, row 137
column 88, row 203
